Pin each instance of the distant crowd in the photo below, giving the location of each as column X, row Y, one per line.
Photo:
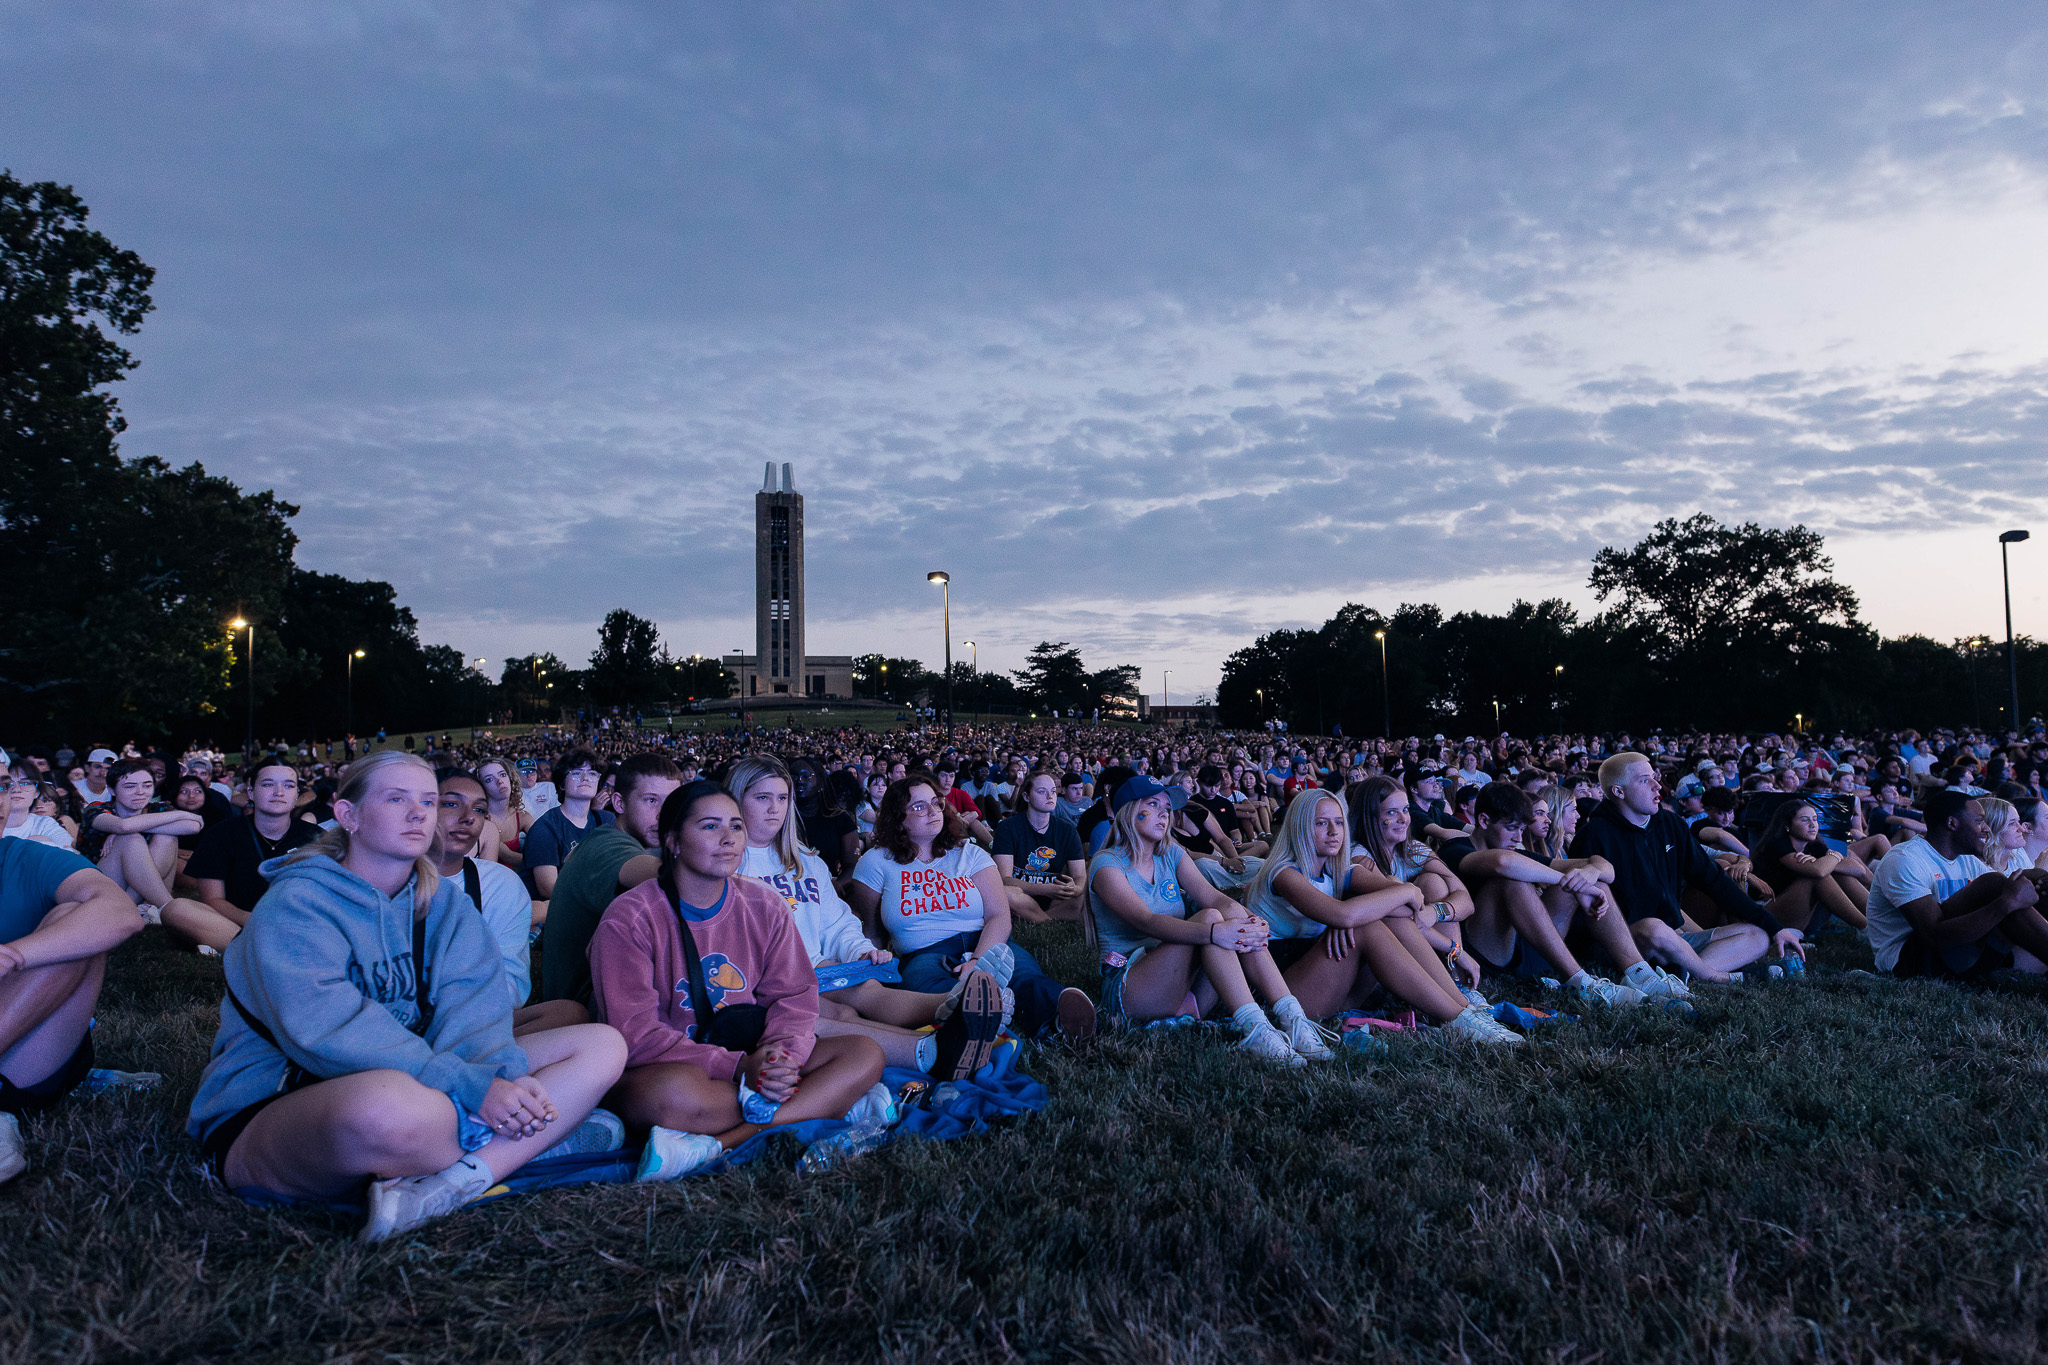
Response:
column 441, row 962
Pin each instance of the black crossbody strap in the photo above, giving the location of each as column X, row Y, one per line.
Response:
column 423, row 992
column 693, row 967
column 296, row 1077
column 473, row 882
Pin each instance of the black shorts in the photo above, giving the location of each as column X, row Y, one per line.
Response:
column 1919, row 957
column 1288, row 951
column 1523, row 961
column 214, row 1146
column 42, row 1094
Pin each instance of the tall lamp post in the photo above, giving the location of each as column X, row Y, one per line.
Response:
column 1556, row 688
column 249, row 741
column 1165, row 694
column 350, row 711
column 945, row 582
column 974, row 667
column 1386, row 688
column 474, row 698
column 2012, row 663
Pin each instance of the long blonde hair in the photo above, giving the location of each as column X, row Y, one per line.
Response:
column 1999, row 815
column 334, row 843
column 750, row 772
column 1294, row 844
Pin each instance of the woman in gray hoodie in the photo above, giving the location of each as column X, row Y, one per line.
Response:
column 367, row 1029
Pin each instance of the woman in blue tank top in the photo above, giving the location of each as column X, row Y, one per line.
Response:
column 1164, row 933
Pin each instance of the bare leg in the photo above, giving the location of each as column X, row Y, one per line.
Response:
column 1610, row 929
column 1733, row 946
column 44, row 1012
column 202, row 923
column 1504, row 909
column 1391, row 961
column 1411, row 937
column 328, row 1138
column 680, row 1096
column 885, row 1004
column 1025, row 906
column 1793, row 907
column 548, row 1014
column 1846, row 897
column 130, row 861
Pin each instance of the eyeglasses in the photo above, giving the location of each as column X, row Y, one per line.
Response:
column 920, row 807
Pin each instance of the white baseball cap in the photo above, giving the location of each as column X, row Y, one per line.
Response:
column 100, row 756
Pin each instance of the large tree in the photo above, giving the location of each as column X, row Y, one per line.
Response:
column 627, row 668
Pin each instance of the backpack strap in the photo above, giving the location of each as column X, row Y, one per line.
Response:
column 423, row 994
column 473, row 882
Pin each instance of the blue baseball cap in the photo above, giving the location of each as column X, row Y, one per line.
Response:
column 1142, row 786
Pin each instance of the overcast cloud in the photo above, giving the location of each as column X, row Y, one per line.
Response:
column 1155, row 326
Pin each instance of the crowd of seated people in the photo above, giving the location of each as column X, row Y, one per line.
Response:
column 441, row 961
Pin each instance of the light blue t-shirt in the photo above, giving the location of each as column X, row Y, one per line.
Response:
column 1280, row 916
column 1161, row 895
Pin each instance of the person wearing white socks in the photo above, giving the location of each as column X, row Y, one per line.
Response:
column 367, row 1029
column 1170, row 942
column 1339, row 927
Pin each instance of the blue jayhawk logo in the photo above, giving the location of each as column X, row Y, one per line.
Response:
column 1038, row 865
column 722, row 977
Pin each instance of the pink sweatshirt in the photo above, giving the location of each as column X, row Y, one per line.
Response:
column 752, row 954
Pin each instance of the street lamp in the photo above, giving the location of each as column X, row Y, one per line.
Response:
column 2012, row 662
column 350, row 728
column 1556, row 688
column 249, row 742
column 1165, row 693
column 474, row 697
column 945, row 582
column 1386, row 688
column 1496, row 714
column 974, row 666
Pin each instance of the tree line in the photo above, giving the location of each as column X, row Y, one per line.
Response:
column 1702, row 624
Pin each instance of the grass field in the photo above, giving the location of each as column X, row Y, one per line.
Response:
column 1836, row 1170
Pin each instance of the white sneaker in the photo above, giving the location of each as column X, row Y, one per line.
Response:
column 1595, row 990
column 671, row 1155
column 407, row 1202
column 151, row 914
column 206, row 950
column 1307, row 1039
column 1481, row 1027
column 13, row 1155
column 876, row 1108
column 1270, row 1043
column 1658, row 984
column 1472, row 994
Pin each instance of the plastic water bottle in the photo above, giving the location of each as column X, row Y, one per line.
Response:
column 1775, row 973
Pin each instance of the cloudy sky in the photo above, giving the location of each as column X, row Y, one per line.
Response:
column 1155, row 326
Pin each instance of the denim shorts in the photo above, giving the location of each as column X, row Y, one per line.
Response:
column 1113, row 977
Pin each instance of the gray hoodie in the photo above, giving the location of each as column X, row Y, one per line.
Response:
column 326, row 964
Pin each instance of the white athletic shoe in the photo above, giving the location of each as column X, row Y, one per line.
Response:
column 13, row 1155
column 408, row 1202
column 1472, row 994
column 151, row 914
column 1481, row 1027
column 671, row 1155
column 1306, row 1038
column 1270, row 1043
column 1658, row 984
column 1595, row 990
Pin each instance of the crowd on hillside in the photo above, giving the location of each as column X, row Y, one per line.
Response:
column 442, row 961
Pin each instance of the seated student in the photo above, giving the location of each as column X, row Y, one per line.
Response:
column 942, row 903
column 775, row 857
column 1938, row 910
column 822, row 823
column 559, row 829
column 1523, row 905
column 1155, row 953
column 226, row 866
column 59, row 918
column 1655, row 863
column 510, row 820
column 1462, row 803
column 1338, row 926
column 705, row 974
column 497, row 891
column 1808, row 880
column 864, row 814
column 1891, row 810
column 1380, row 826
column 24, row 790
column 189, row 792
column 964, row 806
column 1429, row 814
column 1223, row 815
column 615, row 858
column 1074, row 798
column 367, row 1032
column 54, row 802
column 133, row 837
column 1039, row 855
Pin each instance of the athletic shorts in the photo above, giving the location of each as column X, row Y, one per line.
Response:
column 1698, row 939
column 45, row 1093
column 1524, row 961
column 214, row 1146
column 1921, row 957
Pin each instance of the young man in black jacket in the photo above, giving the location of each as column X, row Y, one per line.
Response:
column 1655, row 858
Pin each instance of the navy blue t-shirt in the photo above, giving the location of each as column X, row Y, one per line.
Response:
column 552, row 838
column 30, row 874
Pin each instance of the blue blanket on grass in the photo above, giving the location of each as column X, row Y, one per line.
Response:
column 940, row 1113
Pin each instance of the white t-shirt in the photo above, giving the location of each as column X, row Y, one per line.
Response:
column 85, row 792
column 508, row 914
column 830, row 931
column 539, row 799
column 925, row 902
column 1910, row 871
column 43, row 830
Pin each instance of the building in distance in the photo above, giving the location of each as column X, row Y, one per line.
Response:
column 779, row 667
